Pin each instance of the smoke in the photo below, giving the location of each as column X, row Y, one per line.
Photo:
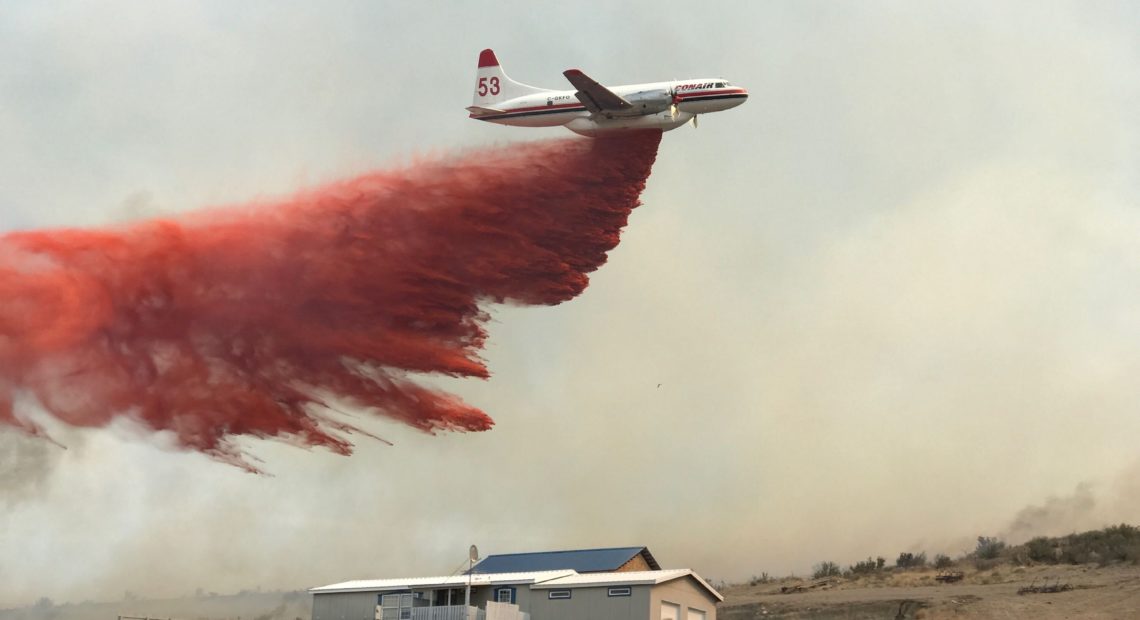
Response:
column 1057, row 515
column 259, row 320
column 1091, row 505
column 276, row 612
column 25, row 466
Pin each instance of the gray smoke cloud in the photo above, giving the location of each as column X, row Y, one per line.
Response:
column 26, row 463
column 1057, row 515
column 1091, row 505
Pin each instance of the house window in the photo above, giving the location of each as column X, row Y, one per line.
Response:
column 396, row 606
column 696, row 614
column 449, row 596
column 505, row 595
column 620, row 591
column 558, row 594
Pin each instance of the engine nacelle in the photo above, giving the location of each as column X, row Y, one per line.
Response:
column 645, row 102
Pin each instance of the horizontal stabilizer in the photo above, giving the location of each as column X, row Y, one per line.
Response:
column 480, row 110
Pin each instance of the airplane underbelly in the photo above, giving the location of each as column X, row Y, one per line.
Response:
column 704, row 106
column 595, row 127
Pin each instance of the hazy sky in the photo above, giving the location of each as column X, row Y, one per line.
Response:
column 893, row 301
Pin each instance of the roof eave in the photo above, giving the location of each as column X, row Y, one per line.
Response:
column 649, row 559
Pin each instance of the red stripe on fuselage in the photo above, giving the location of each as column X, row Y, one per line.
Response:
column 706, row 93
column 546, row 107
column 562, row 107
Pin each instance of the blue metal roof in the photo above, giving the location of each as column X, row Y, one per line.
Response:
column 582, row 560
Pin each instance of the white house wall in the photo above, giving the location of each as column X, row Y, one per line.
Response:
column 686, row 593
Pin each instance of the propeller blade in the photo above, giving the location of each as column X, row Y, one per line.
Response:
column 695, row 124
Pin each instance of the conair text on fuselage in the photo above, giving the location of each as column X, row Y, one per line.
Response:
column 694, row 86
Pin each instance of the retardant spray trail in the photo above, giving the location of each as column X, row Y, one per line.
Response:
column 245, row 321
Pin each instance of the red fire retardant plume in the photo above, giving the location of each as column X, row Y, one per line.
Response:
column 246, row 321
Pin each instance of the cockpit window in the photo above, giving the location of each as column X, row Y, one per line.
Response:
column 719, row 85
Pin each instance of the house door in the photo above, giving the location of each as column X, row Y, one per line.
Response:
column 396, row 607
column 670, row 611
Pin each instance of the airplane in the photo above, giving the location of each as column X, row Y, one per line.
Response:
column 592, row 109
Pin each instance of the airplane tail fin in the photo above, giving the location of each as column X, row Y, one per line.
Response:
column 492, row 84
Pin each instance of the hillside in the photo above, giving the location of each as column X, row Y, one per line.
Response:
column 1090, row 575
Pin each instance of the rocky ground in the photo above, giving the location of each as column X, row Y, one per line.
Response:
column 1094, row 592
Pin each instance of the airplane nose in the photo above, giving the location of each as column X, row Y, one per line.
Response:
column 740, row 99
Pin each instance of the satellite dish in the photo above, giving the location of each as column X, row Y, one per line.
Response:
column 473, row 553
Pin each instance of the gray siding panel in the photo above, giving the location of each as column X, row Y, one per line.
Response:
column 592, row 603
column 345, row 606
column 643, row 597
column 523, row 598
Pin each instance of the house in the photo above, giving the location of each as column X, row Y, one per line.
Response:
column 624, row 583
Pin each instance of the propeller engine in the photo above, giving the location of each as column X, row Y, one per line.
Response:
column 675, row 99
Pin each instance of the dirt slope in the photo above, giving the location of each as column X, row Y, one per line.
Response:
column 1108, row 593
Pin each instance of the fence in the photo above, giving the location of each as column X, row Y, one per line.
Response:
column 449, row 612
column 494, row 611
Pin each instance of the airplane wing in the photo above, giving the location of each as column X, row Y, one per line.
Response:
column 594, row 96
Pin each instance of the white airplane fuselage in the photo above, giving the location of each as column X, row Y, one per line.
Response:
column 654, row 105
